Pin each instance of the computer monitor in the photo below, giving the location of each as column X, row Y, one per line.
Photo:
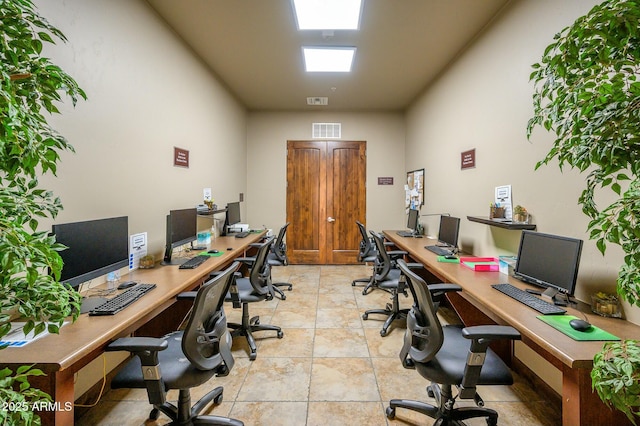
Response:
column 448, row 231
column 549, row 261
column 412, row 220
column 181, row 230
column 232, row 216
column 94, row 248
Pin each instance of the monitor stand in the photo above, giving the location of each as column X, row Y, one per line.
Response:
column 549, row 294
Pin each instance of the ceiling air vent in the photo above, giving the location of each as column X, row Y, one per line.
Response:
column 318, row 100
column 326, row 130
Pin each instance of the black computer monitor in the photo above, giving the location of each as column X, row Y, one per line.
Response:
column 412, row 220
column 232, row 216
column 181, row 229
column 94, row 248
column 549, row 261
column 448, row 231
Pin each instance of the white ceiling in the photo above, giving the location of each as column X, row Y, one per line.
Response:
column 253, row 46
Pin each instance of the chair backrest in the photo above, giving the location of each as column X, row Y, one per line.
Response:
column 279, row 247
column 384, row 264
column 367, row 246
column 206, row 341
column 260, row 273
column 423, row 337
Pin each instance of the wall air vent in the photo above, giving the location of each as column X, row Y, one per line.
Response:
column 326, row 130
column 318, row 100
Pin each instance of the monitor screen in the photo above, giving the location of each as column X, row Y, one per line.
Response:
column 549, row 261
column 233, row 213
column 95, row 248
column 448, row 231
column 181, row 229
column 412, row 220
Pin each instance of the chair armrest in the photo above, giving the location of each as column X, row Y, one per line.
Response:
column 246, row 260
column 187, row 295
column 137, row 344
column 490, row 332
column 415, row 265
column 394, row 254
column 443, row 288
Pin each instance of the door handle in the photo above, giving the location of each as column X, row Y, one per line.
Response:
column 330, row 219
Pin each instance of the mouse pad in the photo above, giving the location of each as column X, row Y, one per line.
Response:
column 561, row 323
column 206, row 253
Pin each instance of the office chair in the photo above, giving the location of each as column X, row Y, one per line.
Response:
column 277, row 256
column 184, row 359
column 449, row 356
column 367, row 252
column 389, row 279
column 381, row 267
column 256, row 287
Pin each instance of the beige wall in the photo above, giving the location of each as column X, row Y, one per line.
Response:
column 267, row 172
column 147, row 93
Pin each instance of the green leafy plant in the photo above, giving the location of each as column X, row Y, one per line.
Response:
column 587, row 93
column 30, row 87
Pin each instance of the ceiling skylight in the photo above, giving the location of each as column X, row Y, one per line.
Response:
column 327, row 14
column 328, row 59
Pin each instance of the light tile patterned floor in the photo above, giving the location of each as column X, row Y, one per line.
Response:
column 331, row 367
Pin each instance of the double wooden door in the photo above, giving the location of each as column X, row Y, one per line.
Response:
column 326, row 194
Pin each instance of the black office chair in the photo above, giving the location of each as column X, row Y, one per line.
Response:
column 367, row 253
column 449, row 356
column 389, row 279
column 382, row 267
column 277, row 256
column 184, row 359
column 256, row 287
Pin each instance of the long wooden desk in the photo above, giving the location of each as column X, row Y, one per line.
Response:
column 580, row 406
column 61, row 356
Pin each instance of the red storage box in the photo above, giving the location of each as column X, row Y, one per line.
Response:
column 484, row 264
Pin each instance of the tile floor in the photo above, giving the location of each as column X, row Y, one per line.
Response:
column 331, row 367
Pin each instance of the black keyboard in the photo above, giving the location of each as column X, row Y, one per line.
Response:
column 440, row 251
column 242, row 234
column 194, row 262
column 522, row 296
column 405, row 233
column 121, row 301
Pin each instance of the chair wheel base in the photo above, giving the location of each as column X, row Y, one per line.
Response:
column 280, row 334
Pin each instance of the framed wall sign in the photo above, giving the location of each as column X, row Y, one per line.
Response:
column 414, row 189
column 180, row 157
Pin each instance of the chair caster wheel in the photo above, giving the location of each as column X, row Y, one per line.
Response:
column 283, row 297
column 365, row 316
column 391, row 413
column 253, row 356
column 217, row 400
column 290, row 288
column 383, row 333
column 154, row 414
column 280, row 334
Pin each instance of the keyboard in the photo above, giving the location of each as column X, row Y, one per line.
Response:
column 121, row 301
column 405, row 233
column 440, row 251
column 194, row 262
column 241, row 234
column 522, row 296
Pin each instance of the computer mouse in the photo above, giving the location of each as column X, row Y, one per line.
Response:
column 451, row 256
column 580, row 325
column 214, row 251
column 126, row 284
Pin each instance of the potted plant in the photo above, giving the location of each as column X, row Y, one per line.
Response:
column 29, row 261
column 588, row 94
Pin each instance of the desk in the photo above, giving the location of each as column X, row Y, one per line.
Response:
column 61, row 356
column 580, row 406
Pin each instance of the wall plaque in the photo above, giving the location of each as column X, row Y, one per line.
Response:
column 387, row 180
column 180, row 157
column 468, row 159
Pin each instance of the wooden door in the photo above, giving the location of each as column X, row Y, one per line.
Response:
column 326, row 194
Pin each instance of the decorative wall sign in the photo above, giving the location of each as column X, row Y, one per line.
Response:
column 468, row 159
column 387, row 180
column 414, row 189
column 180, row 157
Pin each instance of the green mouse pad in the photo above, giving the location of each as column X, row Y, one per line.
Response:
column 561, row 323
column 444, row 259
column 206, row 253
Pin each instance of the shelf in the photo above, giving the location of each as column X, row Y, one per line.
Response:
column 500, row 224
